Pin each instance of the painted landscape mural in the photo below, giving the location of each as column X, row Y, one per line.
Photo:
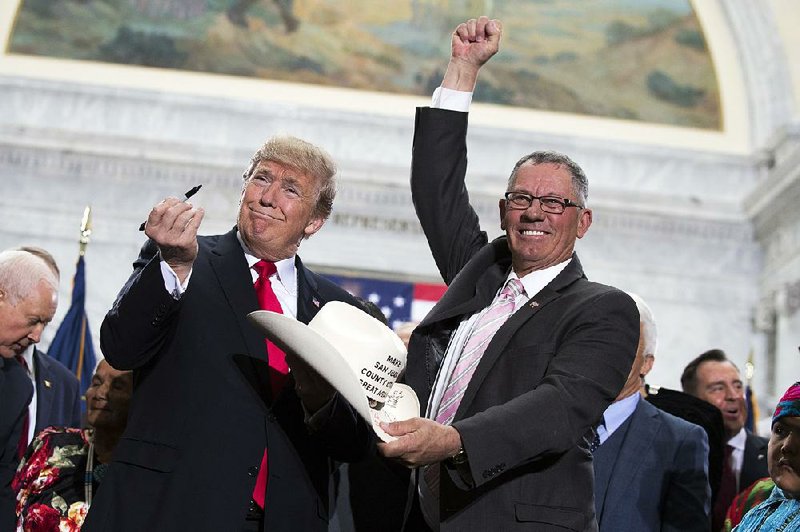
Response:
column 643, row 60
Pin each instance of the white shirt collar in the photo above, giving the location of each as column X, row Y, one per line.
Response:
column 28, row 356
column 287, row 272
column 738, row 441
column 538, row 279
column 617, row 412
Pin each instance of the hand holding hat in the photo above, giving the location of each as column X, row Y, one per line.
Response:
column 356, row 354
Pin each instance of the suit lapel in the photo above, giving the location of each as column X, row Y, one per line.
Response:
column 44, row 389
column 308, row 299
column 233, row 275
column 638, row 439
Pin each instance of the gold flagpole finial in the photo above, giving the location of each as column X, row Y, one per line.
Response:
column 749, row 367
column 86, row 228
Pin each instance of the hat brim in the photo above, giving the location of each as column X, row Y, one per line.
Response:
column 297, row 338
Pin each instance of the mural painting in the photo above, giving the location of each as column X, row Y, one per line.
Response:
column 644, row 60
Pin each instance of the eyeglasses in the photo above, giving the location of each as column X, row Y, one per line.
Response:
column 551, row 204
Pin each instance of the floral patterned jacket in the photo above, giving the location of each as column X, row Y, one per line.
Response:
column 50, row 481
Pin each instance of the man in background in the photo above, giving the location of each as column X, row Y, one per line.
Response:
column 56, row 391
column 28, row 299
column 651, row 468
column 713, row 378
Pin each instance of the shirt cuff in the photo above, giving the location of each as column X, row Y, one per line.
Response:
column 451, row 100
column 171, row 281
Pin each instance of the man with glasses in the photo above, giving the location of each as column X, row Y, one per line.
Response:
column 517, row 362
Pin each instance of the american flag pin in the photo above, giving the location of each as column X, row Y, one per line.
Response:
column 534, row 304
column 315, row 301
column 47, row 384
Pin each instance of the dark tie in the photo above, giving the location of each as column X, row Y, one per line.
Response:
column 22, row 445
column 726, row 493
column 278, row 370
column 595, row 443
column 267, row 300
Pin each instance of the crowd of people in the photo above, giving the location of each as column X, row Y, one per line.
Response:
column 535, row 413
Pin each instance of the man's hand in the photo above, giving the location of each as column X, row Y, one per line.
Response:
column 420, row 442
column 473, row 43
column 173, row 224
column 314, row 391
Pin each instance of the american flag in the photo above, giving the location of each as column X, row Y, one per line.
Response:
column 399, row 301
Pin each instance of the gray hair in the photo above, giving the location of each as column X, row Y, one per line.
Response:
column 21, row 272
column 580, row 184
column 302, row 157
column 648, row 324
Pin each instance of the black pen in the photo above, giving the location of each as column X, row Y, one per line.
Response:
column 186, row 196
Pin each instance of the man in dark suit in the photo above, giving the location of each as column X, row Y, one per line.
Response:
column 651, row 468
column 28, row 299
column 202, row 414
column 712, row 377
column 505, row 446
column 56, row 393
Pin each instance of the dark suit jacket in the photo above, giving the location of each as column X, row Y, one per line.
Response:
column 701, row 413
column 754, row 463
column 58, row 398
column 546, row 376
column 200, row 419
column 652, row 474
column 16, row 391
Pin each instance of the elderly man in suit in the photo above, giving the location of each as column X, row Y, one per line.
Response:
column 651, row 468
column 56, row 391
column 28, row 300
column 518, row 360
column 216, row 440
column 712, row 377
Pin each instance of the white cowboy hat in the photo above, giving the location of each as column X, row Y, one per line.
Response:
column 360, row 356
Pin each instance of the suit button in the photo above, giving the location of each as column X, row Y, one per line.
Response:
column 271, row 416
column 252, row 470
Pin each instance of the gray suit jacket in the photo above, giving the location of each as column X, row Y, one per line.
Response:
column 545, row 377
column 652, row 474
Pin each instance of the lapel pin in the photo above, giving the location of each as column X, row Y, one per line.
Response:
column 315, row 301
column 533, row 304
column 47, row 383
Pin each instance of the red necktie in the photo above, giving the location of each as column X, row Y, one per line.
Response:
column 278, row 369
column 726, row 493
column 22, row 445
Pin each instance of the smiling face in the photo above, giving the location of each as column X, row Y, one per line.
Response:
column 21, row 324
column 538, row 239
column 108, row 398
column 783, row 455
column 277, row 211
column 719, row 383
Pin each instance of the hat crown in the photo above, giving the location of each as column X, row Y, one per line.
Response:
column 373, row 351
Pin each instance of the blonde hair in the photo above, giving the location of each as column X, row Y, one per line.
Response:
column 302, row 157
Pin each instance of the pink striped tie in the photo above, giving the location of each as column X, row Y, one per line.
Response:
column 482, row 333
